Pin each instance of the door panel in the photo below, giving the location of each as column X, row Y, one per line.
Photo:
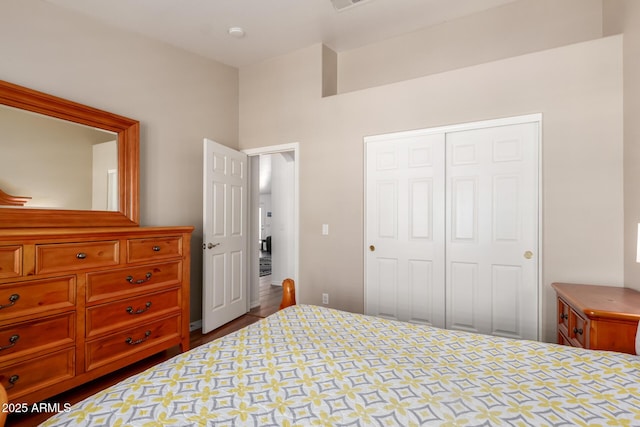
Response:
column 225, row 235
column 405, row 229
column 462, row 296
column 507, row 282
column 493, row 202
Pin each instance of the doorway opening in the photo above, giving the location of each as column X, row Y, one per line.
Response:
column 273, row 231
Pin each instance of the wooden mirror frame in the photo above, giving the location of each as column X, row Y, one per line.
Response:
column 128, row 131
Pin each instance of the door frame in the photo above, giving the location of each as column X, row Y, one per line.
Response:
column 253, row 231
column 505, row 121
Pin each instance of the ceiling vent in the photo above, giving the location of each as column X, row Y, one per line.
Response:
column 345, row 4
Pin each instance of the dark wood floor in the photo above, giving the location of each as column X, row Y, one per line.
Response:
column 270, row 297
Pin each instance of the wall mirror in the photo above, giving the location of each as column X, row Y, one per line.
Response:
column 64, row 164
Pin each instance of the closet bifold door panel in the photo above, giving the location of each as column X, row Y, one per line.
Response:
column 451, row 234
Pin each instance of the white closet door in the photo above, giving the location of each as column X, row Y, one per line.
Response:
column 405, row 229
column 492, row 230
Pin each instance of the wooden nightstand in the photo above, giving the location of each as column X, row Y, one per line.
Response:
column 597, row 317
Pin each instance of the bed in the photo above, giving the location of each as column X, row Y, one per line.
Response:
column 307, row 365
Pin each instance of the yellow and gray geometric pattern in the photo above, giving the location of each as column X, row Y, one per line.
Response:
column 313, row 366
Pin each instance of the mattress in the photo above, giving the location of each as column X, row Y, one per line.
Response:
column 309, row 365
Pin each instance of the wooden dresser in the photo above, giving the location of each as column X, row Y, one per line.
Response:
column 597, row 317
column 78, row 303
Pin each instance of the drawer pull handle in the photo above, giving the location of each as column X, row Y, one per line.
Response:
column 577, row 331
column 13, row 379
column 140, row 310
column 147, row 277
column 564, row 316
column 131, row 341
column 156, row 249
column 12, row 300
column 81, row 255
column 12, row 341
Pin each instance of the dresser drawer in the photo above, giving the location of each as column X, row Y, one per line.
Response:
column 37, row 296
column 28, row 376
column 144, row 250
column 32, row 337
column 10, row 261
column 134, row 340
column 116, row 284
column 63, row 257
column 105, row 318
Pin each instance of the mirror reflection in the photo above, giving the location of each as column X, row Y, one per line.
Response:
column 57, row 164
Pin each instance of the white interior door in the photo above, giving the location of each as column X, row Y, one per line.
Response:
column 405, row 229
column 224, row 235
column 492, row 231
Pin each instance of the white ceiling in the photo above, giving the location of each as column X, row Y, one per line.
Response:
column 272, row 27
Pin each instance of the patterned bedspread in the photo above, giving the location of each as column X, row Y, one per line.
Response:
column 308, row 365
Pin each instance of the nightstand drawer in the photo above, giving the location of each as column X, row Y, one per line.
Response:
column 563, row 316
column 10, row 261
column 578, row 328
column 135, row 340
column 142, row 250
column 37, row 296
column 63, row 257
column 106, row 318
column 116, row 284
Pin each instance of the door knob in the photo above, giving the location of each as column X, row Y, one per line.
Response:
column 212, row 245
column 372, row 248
column 528, row 254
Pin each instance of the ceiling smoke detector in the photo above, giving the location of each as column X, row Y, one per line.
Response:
column 345, row 4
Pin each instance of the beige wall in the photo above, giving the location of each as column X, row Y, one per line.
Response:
column 178, row 97
column 577, row 88
column 513, row 29
column 631, row 26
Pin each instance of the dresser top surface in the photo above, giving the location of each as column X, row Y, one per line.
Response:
column 88, row 232
column 601, row 301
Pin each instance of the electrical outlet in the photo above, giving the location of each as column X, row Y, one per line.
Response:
column 325, row 298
